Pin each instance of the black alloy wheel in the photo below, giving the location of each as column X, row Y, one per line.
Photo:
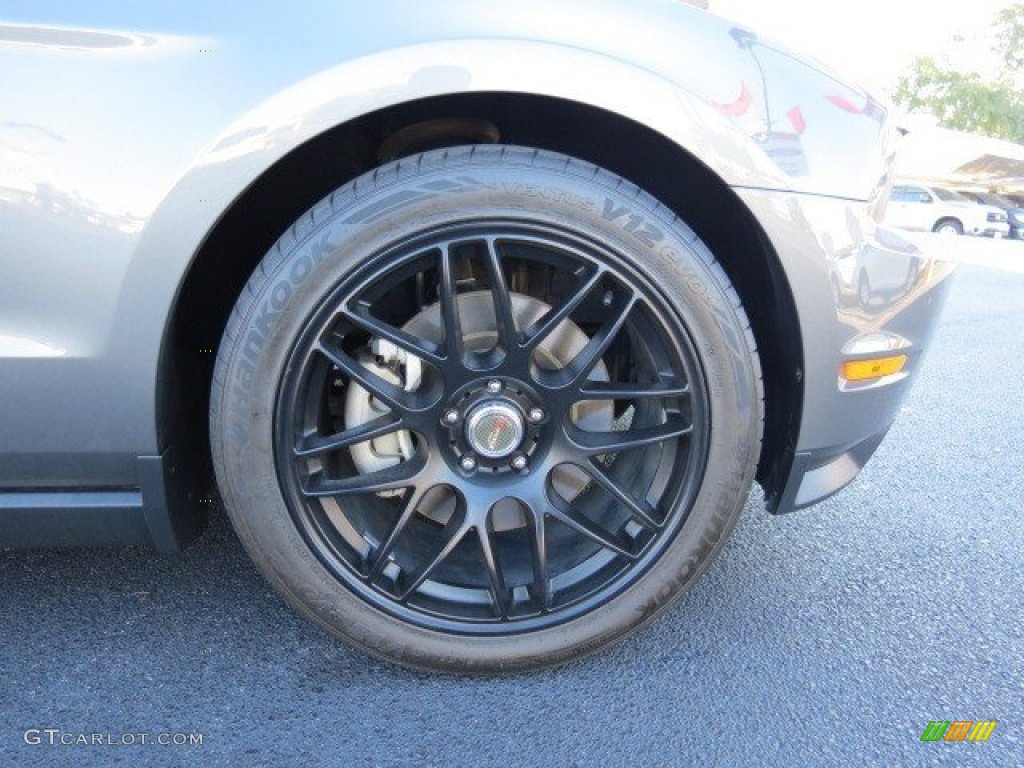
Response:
column 531, row 488
column 467, row 418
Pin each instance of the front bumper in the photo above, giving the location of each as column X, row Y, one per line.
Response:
column 860, row 290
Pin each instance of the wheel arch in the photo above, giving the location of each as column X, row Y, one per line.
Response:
column 293, row 184
column 948, row 220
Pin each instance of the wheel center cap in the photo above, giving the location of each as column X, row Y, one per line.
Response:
column 494, row 429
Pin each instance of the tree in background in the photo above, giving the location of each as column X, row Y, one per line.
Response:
column 1010, row 34
column 966, row 101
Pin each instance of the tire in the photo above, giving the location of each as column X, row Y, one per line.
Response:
column 948, row 227
column 500, row 520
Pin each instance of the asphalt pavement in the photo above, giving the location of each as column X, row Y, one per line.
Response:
column 831, row 636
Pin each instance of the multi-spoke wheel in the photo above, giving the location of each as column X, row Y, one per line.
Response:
column 490, row 408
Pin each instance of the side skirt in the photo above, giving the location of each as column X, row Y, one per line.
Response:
column 162, row 513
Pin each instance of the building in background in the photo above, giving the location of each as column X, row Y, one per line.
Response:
column 953, row 158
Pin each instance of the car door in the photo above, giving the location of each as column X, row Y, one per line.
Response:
column 923, row 208
column 907, row 208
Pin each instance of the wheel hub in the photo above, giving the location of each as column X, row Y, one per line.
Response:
column 495, row 429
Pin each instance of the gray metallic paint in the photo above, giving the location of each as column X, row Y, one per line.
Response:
column 126, row 131
column 810, row 234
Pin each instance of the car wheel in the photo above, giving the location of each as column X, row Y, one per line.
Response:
column 949, row 227
column 485, row 409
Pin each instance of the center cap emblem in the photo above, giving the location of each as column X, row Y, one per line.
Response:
column 494, row 429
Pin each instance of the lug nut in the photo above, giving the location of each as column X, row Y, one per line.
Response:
column 519, row 462
column 468, row 463
column 451, row 417
column 494, row 386
column 536, row 415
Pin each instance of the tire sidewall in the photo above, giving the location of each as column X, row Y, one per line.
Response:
column 442, row 188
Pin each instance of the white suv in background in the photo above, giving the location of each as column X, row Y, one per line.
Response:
column 934, row 209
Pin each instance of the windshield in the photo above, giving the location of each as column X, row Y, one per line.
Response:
column 996, row 200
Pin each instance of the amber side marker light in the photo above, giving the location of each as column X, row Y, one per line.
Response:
column 862, row 370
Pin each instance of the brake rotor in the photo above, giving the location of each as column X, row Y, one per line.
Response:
column 476, row 315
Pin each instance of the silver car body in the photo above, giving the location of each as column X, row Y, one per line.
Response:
column 128, row 132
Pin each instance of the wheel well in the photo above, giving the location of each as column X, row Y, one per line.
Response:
column 254, row 222
column 950, row 220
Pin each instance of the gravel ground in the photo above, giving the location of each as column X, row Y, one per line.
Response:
column 827, row 637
